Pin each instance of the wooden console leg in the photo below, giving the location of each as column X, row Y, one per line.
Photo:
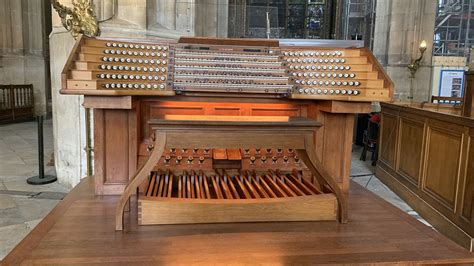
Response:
column 308, row 155
column 140, row 176
column 127, row 206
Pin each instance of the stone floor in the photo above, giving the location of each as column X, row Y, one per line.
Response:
column 22, row 206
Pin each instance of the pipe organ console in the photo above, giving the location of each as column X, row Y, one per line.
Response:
column 224, row 130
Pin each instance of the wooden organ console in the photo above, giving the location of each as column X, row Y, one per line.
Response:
column 224, row 130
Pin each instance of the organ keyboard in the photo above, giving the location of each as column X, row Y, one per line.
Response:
column 169, row 68
column 284, row 111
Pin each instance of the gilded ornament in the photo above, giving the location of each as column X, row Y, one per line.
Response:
column 78, row 20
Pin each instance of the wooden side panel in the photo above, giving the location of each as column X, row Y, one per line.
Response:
column 411, row 142
column 442, row 164
column 468, row 106
column 115, row 149
column 116, row 133
column 334, row 144
column 468, row 199
column 388, row 138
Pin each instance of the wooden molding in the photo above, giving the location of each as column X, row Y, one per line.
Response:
column 104, row 102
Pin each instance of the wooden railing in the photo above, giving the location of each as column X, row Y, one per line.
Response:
column 16, row 103
column 451, row 100
column 426, row 157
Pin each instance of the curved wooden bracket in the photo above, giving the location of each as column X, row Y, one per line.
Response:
column 308, row 155
column 140, row 177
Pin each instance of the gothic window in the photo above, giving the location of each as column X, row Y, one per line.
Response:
column 309, row 19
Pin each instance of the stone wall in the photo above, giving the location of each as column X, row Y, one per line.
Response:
column 24, row 56
column 400, row 26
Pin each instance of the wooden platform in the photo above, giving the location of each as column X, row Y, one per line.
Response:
column 81, row 229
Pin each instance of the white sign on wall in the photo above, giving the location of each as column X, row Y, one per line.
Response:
column 451, row 83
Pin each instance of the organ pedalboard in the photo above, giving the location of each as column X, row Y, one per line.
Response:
column 220, row 174
column 202, row 185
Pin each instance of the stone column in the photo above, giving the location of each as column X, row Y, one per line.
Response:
column 185, row 16
column 68, row 113
column 68, row 116
column 211, row 18
column 400, row 26
column 133, row 11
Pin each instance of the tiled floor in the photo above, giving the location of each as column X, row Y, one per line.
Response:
column 22, row 206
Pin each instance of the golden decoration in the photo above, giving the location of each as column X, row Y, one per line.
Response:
column 78, row 20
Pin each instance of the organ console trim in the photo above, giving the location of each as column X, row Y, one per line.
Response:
column 264, row 126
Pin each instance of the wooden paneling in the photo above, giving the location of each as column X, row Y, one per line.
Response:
column 227, row 110
column 454, row 109
column 159, row 110
column 345, row 107
column 116, row 133
column 435, row 149
column 468, row 199
column 283, row 111
column 411, row 142
column 388, row 138
column 442, row 164
column 337, row 137
column 155, row 108
column 115, row 149
column 468, row 106
column 185, row 211
column 107, row 102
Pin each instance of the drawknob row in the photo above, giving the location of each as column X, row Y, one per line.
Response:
column 179, row 158
column 258, row 150
column 136, row 46
column 313, row 53
column 195, row 150
column 330, row 92
column 134, row 53
column 133, row 60
column 274, row 159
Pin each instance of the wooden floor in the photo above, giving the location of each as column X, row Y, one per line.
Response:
column 81, row 230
